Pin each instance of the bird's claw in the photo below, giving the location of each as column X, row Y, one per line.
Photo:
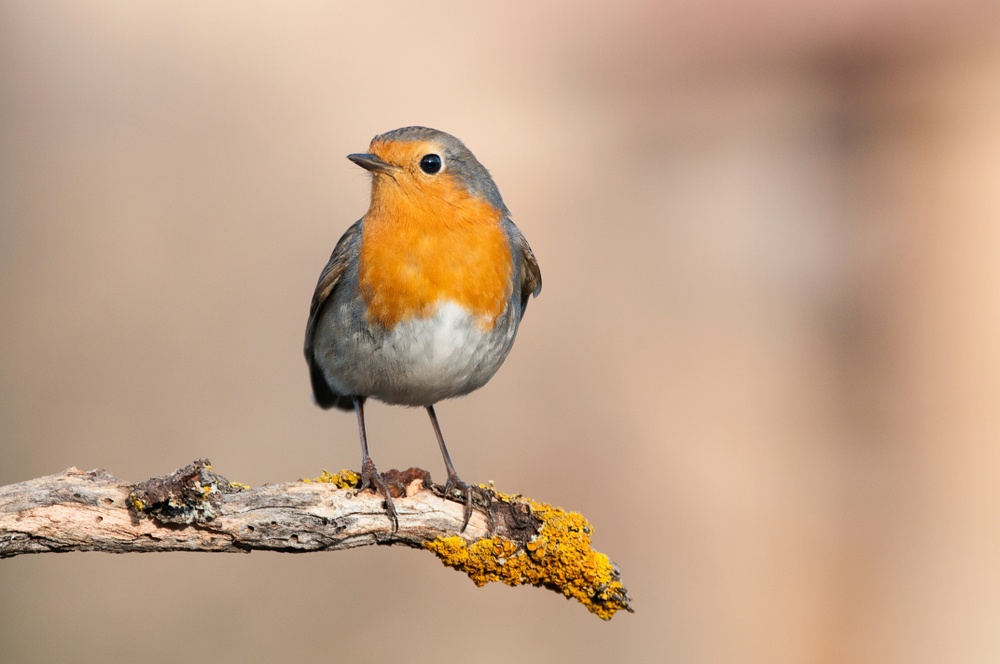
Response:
column 454, row 484
column 372, row 480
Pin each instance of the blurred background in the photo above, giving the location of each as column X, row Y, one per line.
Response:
column 765, row 363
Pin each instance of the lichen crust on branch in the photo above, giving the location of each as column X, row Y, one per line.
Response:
column 192, row 494
column 559, row 557
column 510, row 539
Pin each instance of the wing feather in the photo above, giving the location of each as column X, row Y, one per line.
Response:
column 531, row 275
column 329, row 281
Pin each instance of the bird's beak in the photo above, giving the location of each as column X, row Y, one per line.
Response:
column 371, row 162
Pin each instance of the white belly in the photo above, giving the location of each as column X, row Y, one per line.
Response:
column 419, row 362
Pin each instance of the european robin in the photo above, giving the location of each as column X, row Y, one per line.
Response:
column 421, row 298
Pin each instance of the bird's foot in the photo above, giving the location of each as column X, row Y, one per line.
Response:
column 455, row 487
column 372, row 480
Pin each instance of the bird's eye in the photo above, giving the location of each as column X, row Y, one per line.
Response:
column 430, row 164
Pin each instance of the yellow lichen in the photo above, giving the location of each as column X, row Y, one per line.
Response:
column 136, row 502
column 239, row 486
column 345, row 479
column 560, row 557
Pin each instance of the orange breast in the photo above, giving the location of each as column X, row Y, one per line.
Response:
column 422, row 245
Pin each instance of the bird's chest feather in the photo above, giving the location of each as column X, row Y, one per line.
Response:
column 421, row 361
column 414, row 258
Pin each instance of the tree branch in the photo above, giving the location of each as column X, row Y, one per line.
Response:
column 512, row 539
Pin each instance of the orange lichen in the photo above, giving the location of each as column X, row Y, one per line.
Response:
column 560, row 557
column 345, row 479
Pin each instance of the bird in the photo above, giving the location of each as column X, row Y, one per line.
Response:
column 422, row 297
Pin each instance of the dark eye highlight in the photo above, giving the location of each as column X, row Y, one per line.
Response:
column 430, row 164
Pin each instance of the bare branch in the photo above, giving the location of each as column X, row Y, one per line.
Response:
column 512, row 539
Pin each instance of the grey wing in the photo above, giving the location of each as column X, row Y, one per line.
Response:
column 530, row 276
column 329, row 280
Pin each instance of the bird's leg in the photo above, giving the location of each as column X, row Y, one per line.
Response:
column 454, row 482
column 370, row 477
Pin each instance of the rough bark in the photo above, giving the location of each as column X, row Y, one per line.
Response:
column 194, row 509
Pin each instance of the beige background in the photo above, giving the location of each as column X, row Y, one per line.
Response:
column 765, row 363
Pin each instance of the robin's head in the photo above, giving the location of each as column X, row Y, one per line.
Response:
column 418, row 161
